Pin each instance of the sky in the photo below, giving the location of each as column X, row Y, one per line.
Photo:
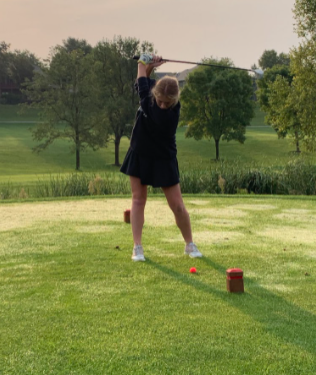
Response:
column 186, row 30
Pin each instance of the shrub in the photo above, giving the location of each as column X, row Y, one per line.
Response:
column 300, row 178
column 23, row 194
column 297, row 177
column 96, row 186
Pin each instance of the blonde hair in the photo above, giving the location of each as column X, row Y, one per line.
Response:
column 168, row 87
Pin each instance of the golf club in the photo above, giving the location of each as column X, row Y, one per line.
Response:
column 259, row 72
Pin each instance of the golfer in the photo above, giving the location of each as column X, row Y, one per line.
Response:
column 152, row 156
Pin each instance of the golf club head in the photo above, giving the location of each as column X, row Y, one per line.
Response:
column 258, row 72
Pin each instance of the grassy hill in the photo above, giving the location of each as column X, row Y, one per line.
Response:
column 20, row 166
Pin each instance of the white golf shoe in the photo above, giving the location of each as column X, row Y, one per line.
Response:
column 192, row 250
column 138, row 254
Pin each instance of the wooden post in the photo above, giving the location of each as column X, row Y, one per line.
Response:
column 127, row 216
column 234, row 281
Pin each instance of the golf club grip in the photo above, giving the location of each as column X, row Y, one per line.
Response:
column 136, row 57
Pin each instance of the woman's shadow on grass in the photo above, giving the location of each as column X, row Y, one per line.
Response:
column 279, row 317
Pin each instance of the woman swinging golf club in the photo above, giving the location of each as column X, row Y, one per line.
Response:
column 152, row 156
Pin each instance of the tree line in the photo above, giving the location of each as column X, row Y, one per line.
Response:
column 287, row 92
column 216, row 103
column 15, row 67
column 86, row 94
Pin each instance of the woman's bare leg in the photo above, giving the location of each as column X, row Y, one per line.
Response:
column 175, row 201
column 139, row 198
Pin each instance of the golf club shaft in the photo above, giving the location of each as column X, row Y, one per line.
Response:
column 196, row 63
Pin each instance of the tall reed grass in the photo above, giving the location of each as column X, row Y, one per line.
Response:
column 82, row 184
column 297, row 177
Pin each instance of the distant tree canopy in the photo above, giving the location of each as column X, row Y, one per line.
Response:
column 22, row 65
column 270, row 58
column 305, row 16
column 72, row 44
column 216, row 103
column 287, row 92
column 17, row 66
column 66, row 92
column 116, row 72
column 4, row 48
column 275, row 96
column 303, row 67
column 87, row 95
column 270, row 75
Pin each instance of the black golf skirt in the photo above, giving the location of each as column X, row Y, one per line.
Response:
column 151, row 171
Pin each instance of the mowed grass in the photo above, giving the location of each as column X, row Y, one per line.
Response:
column 15, row 113
column 18, row 164
column 73, row 302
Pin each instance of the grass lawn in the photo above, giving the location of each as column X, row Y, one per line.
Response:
column 18, row 164
column 73, row 302
column 14, row 113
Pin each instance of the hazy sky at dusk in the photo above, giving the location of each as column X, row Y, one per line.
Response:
column 180, row 29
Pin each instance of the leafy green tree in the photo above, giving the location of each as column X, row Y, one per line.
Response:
column 270, row 76
column 22, row 65
column 264, row 91
column 275, row 96
column 303, row 66
column 282, row 111
column 117, row 72
column 284, row 59
column 216, row 103
column 72, row 44
column 270, row 58
column 16, row 66
column 4, row 49
column 305, row 16
column 66, row 93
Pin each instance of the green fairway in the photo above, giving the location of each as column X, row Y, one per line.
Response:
column 262, row 147
column 73, row 302
column 15, row 113
column 20, row 165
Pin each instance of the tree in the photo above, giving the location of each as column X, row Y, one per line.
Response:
column 22, row 65
column 4, row 49
column 270, row 58
column 305, row 16
column 270, row 76
column 66, row 93
column 16, row 67
column 216, row 103
column 282, row 111
column 72, row 44
column 284, row 59
column 303, row 66
column 276, row 98
column 117, row 74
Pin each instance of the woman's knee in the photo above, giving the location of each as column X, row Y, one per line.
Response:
column 139, row 199
column 177, row 207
